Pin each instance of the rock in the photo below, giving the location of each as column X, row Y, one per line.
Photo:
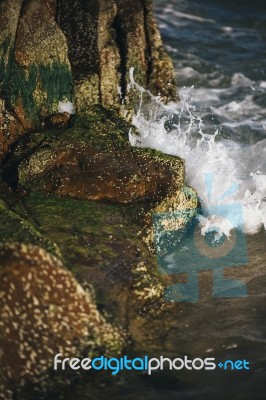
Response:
column 58, row 120
column 10, row 129
column 10, row 9
column 103, row 247
column 38, row 37
column 141, row 47
column 101, row 58
column 93, row 160
column 16, row 224
column 44, row 311
column 35, row 71
column 102, row 244
column 79, row 52
column 71, row 51
column 171, row 215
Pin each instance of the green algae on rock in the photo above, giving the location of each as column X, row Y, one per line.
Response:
column 39, row 89
column 101, row 246
column 30, row 95
column 17, row 229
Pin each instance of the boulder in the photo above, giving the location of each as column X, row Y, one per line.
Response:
column 44, row 311
column 76, row 206
column 93, row 160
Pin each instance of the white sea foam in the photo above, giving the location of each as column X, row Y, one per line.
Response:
column 263, row 85
column 233, row 164
column 66, row 106
column 241, row 80
column 179, row 14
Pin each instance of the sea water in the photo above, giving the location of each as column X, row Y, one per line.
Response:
column 219, row 129
column 219, row 126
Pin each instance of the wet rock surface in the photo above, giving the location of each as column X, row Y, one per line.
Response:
column 16, row 223
column 93, row 160
column 85, row 195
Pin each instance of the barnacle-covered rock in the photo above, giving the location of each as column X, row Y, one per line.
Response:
column 44, row 311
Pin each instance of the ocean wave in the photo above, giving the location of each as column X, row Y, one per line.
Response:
column 178, row 130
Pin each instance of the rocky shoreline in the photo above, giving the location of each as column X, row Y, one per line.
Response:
column 78, row 273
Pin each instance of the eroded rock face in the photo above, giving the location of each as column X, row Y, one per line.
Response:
column 106, row 39
column 35, row 72
column 38, row 38
column 78, row 51
column 135, row 25
column 44, row 311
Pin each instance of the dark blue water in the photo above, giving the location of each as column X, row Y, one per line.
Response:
column 220, row 46
column 215, row 38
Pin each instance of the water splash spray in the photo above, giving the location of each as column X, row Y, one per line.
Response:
column 239, row 170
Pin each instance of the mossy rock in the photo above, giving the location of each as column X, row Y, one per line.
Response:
column 14, row 228
column 101, row 246
column 93, row 160
column 105, row 251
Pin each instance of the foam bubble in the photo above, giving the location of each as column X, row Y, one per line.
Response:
column 66, row 106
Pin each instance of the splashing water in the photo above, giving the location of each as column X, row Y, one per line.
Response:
column 239, row 169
